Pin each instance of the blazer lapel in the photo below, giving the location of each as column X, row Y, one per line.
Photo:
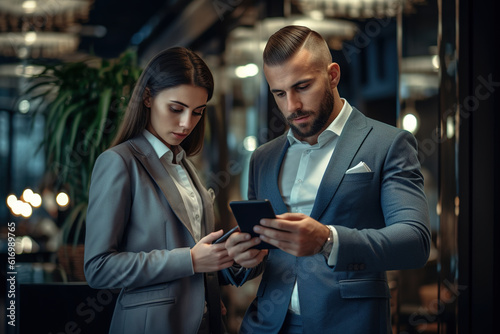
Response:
column 274, row 161
column 349, row 142
column 145, row 153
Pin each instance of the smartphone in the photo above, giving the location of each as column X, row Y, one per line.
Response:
column 249, row 213
column 225, row 236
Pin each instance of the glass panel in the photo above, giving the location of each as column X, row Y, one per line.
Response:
column 418, row 290
column 27, row 157
column 4, row 162
column 247, row 127
column 429, row 102
column 448, row 166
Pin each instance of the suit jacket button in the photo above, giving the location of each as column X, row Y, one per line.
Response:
column 362, row 266
column 356, row 267
column 350, row 267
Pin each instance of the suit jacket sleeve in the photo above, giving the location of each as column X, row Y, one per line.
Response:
column 404, row 241
column 107, row 264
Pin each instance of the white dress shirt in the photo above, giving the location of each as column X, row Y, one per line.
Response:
column 300, row 177
column 190, row 195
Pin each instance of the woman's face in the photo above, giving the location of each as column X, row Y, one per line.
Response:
column 175, row 112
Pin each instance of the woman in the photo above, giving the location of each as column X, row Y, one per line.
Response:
column 149, row 214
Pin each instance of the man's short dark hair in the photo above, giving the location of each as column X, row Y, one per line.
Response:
column 287, row 41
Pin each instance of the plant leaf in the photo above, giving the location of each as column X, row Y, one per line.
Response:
column 53, row 107
column 70, row 221
column 70, row 147
column 61, row 126
column 103, row 110
column 79, row 223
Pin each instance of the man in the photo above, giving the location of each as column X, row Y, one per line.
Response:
column 349, row 199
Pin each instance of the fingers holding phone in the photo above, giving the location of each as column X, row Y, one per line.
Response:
column 240, row 246
column 294, row 233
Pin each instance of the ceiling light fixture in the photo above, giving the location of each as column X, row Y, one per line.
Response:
column 40, row 28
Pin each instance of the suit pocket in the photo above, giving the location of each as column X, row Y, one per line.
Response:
column 148, row 296
column 364, row 288
column 358, row 177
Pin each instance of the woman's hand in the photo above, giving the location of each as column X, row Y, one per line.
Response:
column 208, row 257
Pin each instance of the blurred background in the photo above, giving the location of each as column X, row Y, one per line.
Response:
column 67, row 68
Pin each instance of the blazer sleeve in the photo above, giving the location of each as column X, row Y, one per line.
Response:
column 106, row 264
column 404, row 242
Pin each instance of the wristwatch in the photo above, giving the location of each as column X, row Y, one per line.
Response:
column 328, row 245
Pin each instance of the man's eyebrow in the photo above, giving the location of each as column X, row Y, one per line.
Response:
column 298, row 83
column 185, row 105
column 301, row 82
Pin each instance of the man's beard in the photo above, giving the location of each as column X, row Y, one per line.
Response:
column 324, row 112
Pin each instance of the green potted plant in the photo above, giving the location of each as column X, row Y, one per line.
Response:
column 85, row 102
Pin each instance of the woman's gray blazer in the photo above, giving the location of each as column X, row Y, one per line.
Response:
column 138, row 238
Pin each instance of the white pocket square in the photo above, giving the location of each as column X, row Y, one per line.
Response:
column 359, row 168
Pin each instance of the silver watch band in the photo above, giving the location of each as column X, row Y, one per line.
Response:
column 328, row 245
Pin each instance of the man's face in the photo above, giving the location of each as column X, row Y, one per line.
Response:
column 302, row 92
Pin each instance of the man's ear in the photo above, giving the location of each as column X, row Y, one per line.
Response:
column 146, row 97
column 334, row 74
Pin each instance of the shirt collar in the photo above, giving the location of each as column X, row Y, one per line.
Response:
column 161, row 149
column 334, row 129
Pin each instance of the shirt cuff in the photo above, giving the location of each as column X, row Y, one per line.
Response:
column 332, row 259
column 236, row 275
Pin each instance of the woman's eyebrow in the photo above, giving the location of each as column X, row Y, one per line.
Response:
column 185, row 105
column 178, row 102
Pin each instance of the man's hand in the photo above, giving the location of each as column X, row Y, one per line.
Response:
column 239, row 245
column 208, row 257
column 294, row 233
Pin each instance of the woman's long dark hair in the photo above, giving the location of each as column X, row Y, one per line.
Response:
column 170, row 68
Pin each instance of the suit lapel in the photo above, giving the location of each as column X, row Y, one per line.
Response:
column 349, row 142
column 274, row 161
column 145, row 153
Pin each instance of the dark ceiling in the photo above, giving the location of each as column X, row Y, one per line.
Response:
column 152, row 25
column 127, row 22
